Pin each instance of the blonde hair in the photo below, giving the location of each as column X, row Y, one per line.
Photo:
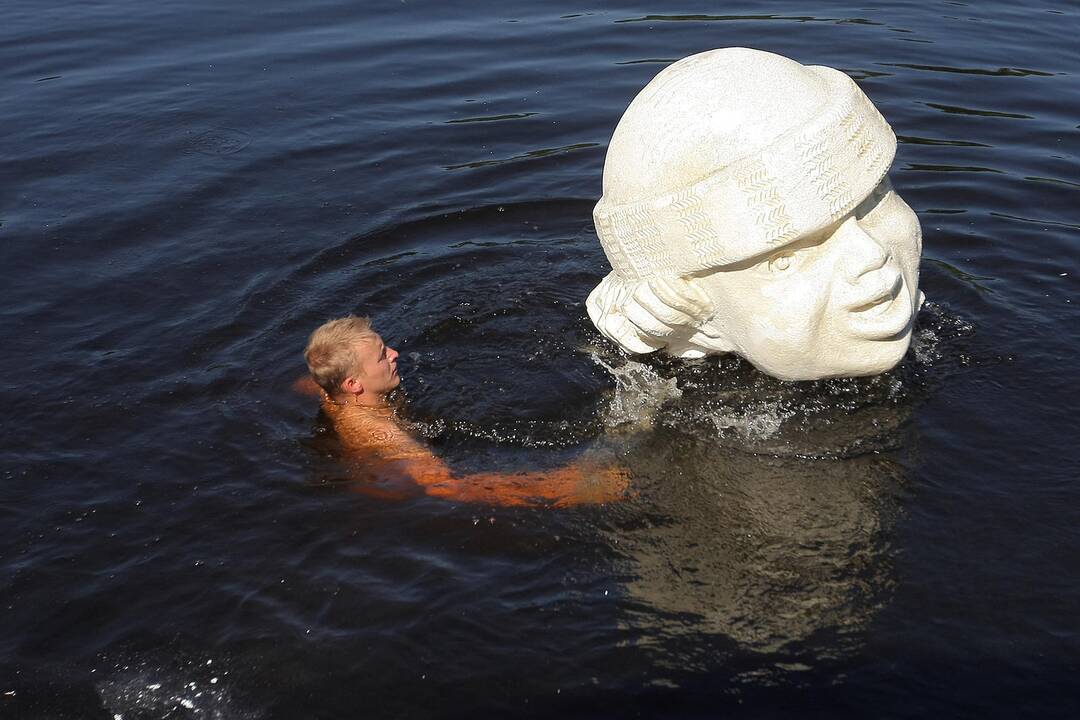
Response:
column 331, row 350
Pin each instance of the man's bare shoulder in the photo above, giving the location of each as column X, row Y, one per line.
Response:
column 371, row 430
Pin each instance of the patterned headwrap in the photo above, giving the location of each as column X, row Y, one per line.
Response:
column 801, row 183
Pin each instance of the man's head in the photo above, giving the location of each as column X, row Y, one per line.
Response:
column 746, row 210
column 349, row 360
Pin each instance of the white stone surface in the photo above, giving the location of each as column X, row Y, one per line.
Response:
column 746, row 209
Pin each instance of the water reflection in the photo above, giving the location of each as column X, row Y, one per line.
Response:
column 722, row 18
column 530, row 155
column 958, row 110
column 999, row 72
column 931, row 167
column 765, row 509
column 765, row 551
column 490, row 118
column 971, row 280
column 861, row 74
column 1035, row 221
column 648, row 61
column 914, row 140
column 1052, row 181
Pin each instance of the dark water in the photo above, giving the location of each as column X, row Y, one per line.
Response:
column 189, row 188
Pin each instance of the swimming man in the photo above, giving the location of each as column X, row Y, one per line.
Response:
column 353, row 370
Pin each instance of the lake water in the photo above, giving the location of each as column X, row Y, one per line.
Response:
column 188, row 189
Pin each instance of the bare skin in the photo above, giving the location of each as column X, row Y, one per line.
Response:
column 369, row 432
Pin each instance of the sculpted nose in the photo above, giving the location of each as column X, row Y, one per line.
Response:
column 862, row 252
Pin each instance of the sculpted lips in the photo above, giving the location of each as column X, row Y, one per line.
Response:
column 883, row 311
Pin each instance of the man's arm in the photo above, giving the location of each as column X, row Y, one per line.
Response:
column 379, row 438
column 560, row 487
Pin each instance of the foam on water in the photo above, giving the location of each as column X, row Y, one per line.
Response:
column 193, row 688
column 756, row 423
column 724, row 399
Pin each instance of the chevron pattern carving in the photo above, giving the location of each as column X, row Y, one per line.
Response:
column 806, row 179
column 761, row 193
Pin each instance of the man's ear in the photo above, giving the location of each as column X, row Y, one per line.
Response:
column 352, row 385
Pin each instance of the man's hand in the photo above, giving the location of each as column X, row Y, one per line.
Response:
column 307, row 386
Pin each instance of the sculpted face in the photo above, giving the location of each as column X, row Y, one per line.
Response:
column 747, row 209
column 840, row 302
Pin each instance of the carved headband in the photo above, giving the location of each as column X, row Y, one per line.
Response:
column 807, row 179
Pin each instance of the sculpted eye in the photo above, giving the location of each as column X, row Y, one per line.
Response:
column 781, row 261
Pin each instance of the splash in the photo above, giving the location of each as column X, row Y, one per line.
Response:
column 725, row 400
column 755, row 423
column 936, row 327
column 640, row 392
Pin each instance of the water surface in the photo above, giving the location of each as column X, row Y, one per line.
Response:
column 189, row 189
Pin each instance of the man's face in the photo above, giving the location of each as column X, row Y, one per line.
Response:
column 838, row 303
column 377, row 370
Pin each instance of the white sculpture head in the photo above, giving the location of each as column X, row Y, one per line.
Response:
column 746, row 209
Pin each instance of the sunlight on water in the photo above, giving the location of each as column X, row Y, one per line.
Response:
column 137, row 688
